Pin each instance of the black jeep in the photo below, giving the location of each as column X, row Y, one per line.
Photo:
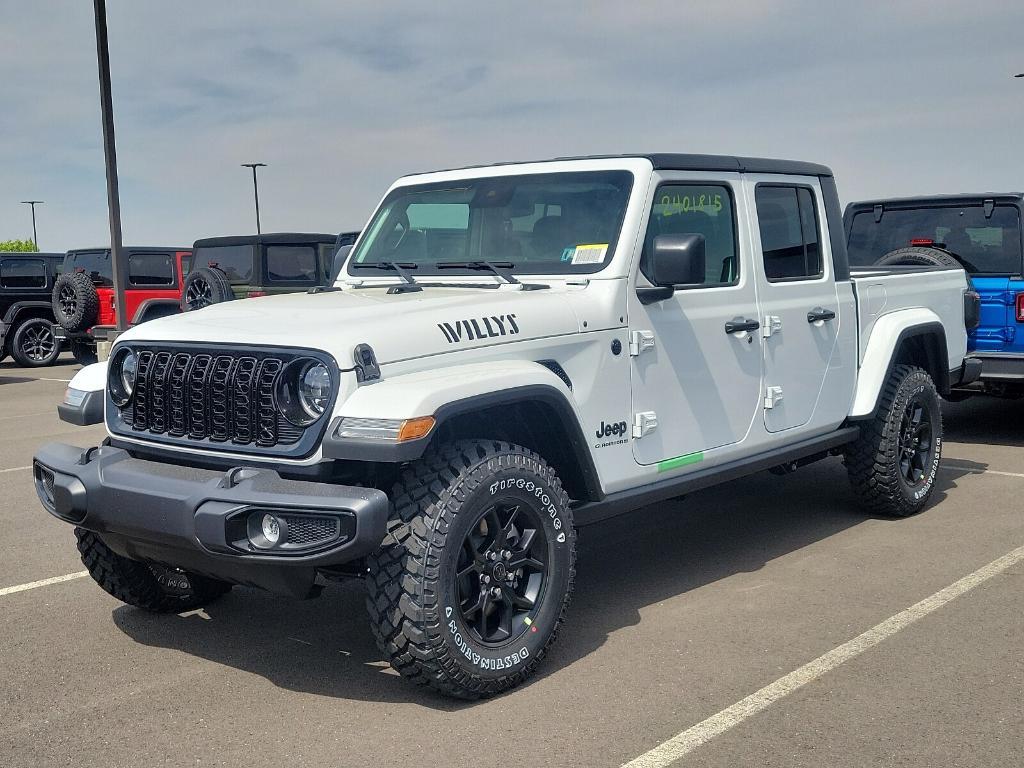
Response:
column 27, row 329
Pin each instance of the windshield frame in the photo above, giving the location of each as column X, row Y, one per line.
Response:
column 453, row 180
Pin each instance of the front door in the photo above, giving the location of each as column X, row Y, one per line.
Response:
column 800, row 314
column 699, row 382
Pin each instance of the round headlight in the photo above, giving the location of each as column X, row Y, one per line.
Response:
column 304, row 390
column 121, row 376
column 315, row 389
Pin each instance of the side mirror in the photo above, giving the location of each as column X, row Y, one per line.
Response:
column 339, row 261
column 675, row 260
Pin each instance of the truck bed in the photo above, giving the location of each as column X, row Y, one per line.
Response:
column 881, row 290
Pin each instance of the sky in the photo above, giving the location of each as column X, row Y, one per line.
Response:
column 339, row 99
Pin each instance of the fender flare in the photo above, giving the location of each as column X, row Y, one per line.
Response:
column 148, row 304
column 456, row 392
column 17, row 308
column 887, row 336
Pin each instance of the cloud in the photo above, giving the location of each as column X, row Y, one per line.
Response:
column 898, row 97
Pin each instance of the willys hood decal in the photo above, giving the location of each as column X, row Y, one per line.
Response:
column 397, row 326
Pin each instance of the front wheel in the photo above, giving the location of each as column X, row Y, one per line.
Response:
column 470, row 585
column 152, row 587
column 893, row 464
column 83, row 351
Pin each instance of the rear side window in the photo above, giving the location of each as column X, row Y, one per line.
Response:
column 291, row 264
column 788, row 221
column 985, row 245
column 22, row 273
column 234, row 260
column 151, row 269
column 685, row 209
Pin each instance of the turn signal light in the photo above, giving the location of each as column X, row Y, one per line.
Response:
column 413, row 429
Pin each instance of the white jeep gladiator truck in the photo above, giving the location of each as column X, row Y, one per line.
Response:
column 509, row 352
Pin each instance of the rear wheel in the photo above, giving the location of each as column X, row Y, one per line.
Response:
column 470, row 586
column 152, row 587
column 34, row 343
column 893, row 464
column 83, row 351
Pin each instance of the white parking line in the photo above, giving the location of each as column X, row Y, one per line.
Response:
column 14, row 469
column 976, row 471
column 684, row 743
column 26, row 415
column 44, row 583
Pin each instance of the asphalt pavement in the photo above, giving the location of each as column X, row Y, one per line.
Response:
column 723, row 629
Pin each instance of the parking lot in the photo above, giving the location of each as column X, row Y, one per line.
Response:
column 681, row 611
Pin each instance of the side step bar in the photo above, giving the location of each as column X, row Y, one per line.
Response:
column 627, row 501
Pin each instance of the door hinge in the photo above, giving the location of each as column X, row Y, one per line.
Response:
column 644, row 423
column 639, row 341
column 772, row 397
column 772, row 323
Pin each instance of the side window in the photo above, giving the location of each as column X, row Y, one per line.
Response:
column 788, row 222
column 150, row 269
column 701, row 209
column 291, row 263
column 22, row 273
column 186, row 266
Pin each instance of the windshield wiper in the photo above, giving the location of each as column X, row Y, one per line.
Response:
column 398, row 267
column 489, row 266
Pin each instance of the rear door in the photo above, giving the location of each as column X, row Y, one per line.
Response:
column 800, row 313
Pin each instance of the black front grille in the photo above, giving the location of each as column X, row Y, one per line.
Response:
column 221, row 397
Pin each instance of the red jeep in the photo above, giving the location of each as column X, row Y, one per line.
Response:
column 83, row 296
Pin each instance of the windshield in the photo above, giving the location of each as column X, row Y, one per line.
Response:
column 554, row 223
column 984, row 245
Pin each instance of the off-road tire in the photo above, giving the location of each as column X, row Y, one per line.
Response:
column 413, row 600
column 83, row 351
column 205, row 286
column 152, row 588
column 919, row 255
column 33, row 344
column 76, row 304
column 873, row 460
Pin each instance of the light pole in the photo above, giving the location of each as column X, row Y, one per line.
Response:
column 256, row 190
column 34, row 203
column 110, row 156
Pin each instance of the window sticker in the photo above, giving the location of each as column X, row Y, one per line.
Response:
column 593, row 253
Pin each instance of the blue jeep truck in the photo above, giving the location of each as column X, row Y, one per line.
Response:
column 980, row 232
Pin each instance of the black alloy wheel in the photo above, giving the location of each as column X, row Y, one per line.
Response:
column 38, row 343
column 198, row 294
column 500, row 572
column 68, row 300
column 915, row 442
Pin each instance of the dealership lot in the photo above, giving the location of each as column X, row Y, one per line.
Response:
column 681, row 610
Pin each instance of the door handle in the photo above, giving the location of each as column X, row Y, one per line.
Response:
column 737, row 324
column 818, row 313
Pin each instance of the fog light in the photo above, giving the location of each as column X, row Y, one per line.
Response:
column 271, row 530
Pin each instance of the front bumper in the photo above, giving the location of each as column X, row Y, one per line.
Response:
column 196, row 519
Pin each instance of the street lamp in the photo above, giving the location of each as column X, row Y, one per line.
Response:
column 256, row 190
column 33, row 203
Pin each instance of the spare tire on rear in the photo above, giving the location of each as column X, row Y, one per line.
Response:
column 75, row 301
column 918, row 256
column 205, row 286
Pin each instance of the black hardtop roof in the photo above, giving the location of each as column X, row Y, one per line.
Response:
column 31, row 254
column 669, row 161
column 937, row 200
column 135, row 248
column 272, row 238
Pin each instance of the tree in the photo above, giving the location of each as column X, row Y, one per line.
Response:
column 24, row 246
